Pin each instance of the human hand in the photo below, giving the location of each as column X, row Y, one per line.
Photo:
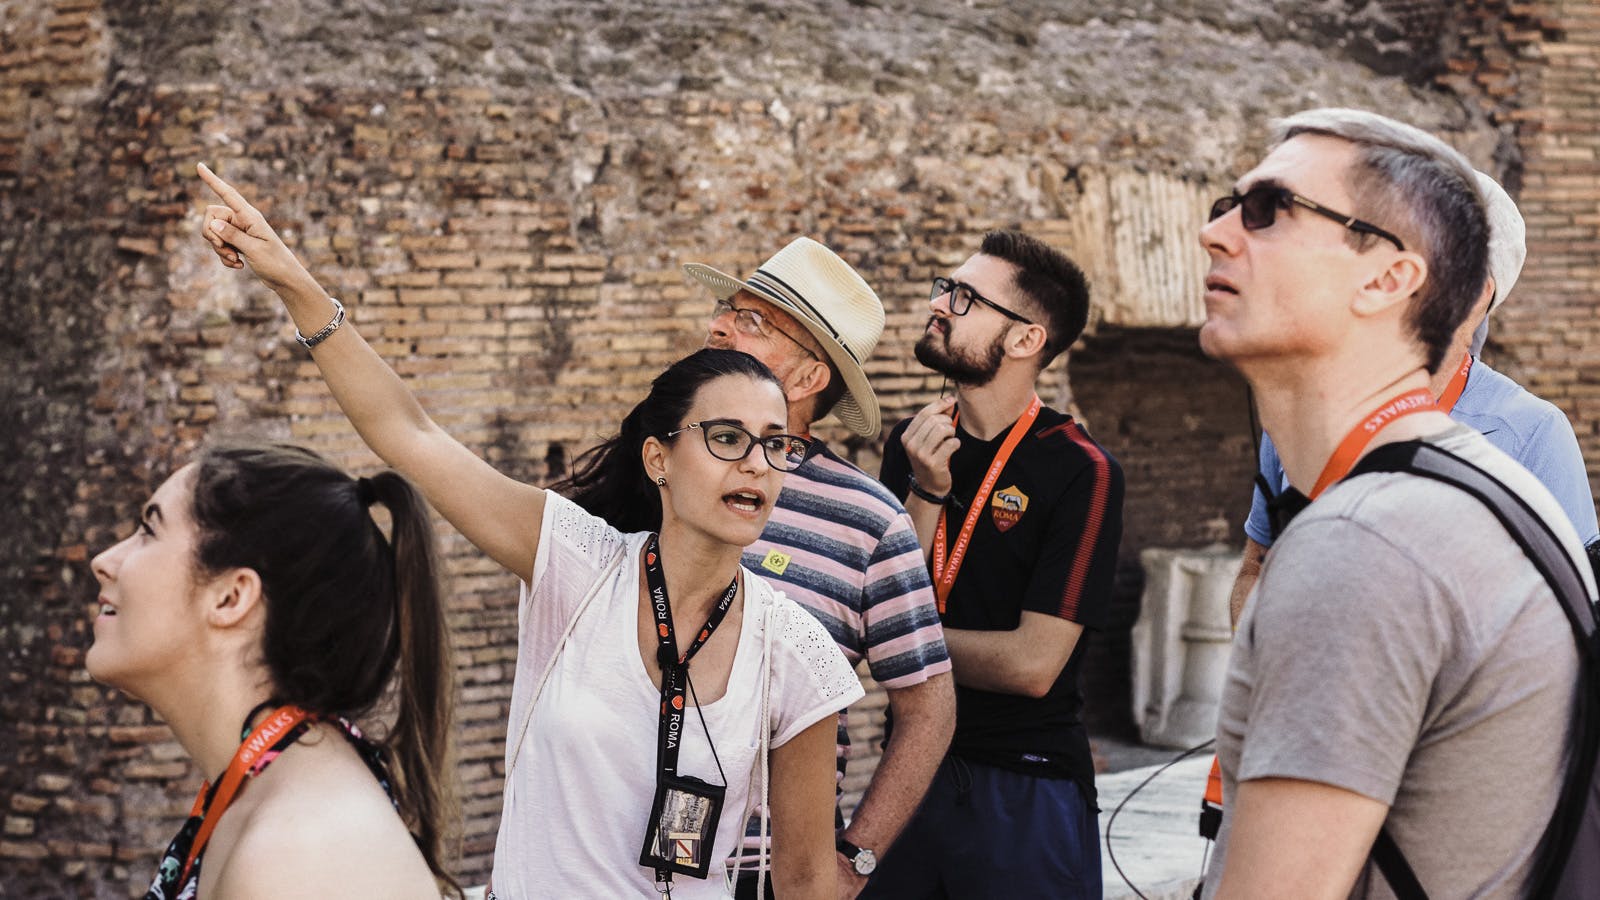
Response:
column 929, row 440
column 239, row 234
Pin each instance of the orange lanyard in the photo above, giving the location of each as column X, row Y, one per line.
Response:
column 1349, row 450
column 1344, row 459
column 945, row 567
column 250, row 752
column 1458, row 383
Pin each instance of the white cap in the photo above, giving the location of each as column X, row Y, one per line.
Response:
column 1508, row 246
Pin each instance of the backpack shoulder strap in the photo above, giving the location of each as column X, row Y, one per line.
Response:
column 1392, row 863
column 1527, row 527
column 1533, row 534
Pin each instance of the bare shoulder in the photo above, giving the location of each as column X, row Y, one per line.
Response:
column 323, row 824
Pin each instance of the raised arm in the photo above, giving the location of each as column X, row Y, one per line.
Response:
column 499, row 515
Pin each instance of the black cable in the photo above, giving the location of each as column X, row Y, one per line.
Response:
column 1113, row 820
column 1269, row 492
column 1255, row 426
column 713, row 744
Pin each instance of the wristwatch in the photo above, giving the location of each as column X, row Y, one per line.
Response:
column 864, row 861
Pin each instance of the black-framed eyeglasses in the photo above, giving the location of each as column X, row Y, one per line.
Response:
column 729, row 441
column 1258, row 209
column 962, row 295
column 753, row 323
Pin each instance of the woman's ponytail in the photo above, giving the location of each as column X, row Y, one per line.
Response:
column 425, row 695
column 345, row 606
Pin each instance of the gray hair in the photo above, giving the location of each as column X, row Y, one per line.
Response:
column 1416, row 185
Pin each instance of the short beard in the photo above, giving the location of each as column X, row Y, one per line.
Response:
column 963, row 368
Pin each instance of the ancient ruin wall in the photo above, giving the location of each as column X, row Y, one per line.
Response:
column 503, row 193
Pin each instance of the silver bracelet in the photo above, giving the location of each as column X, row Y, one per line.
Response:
column 327, row 330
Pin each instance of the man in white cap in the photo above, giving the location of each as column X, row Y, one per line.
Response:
column 1403, row 676
column 1530, row 430
column 838, row 543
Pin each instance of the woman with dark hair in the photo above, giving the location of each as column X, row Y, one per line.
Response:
column 661, row 690
column 259, row 609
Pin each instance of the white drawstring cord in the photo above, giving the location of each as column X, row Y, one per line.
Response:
column 766, row 742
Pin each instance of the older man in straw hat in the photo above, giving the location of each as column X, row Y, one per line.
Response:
column 1530, row 430
column 838, row 542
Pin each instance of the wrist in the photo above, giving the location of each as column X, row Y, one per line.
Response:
column 310, row 342
column 860, row 860
column 298, row 287
column 936, row 497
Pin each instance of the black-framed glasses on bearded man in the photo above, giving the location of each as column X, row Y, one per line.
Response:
column 731, row 442
column 962, row 296
column 752, row 322
column 1258, row 209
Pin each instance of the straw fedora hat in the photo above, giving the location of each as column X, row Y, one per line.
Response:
column 811, row 283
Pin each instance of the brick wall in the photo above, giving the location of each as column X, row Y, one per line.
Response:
column 1535, row 70
column 1179, row 424
column 506, row 227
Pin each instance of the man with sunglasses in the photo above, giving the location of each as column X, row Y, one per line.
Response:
column 1528, row 429
column 837, row 542
column 1401, row 666
column 1020, row 513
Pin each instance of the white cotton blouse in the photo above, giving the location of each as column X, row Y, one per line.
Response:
column 579, row 794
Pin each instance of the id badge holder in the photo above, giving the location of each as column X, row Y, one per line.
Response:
column 682, row 826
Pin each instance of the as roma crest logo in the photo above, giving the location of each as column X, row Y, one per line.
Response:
column 1007, row 506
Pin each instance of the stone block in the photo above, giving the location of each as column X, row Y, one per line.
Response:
column 1180, row 644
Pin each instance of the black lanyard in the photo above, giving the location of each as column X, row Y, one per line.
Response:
column 675, row 684
column 675, row 668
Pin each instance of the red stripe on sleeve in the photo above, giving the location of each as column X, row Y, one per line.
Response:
column 1093, row 525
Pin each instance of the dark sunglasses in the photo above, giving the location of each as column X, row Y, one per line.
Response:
column 730, row 442
column 962, row 296
column 1258, row 209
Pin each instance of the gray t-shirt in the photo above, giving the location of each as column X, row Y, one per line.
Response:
column 1399, row 645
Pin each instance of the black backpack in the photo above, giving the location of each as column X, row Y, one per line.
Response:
column 1567, row 863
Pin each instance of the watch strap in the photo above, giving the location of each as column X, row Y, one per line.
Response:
column 916, row 488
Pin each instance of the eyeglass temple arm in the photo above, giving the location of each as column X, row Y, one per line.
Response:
column 1350, row 222
column 1319, row 209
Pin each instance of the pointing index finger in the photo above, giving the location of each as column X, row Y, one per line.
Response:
column 223, row 189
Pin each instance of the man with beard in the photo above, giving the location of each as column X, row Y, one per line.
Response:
column 1020, row 512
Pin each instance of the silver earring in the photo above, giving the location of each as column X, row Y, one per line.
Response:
column 661, row 480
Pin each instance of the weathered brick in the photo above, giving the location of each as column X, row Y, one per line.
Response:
column 23, row 850
column 26, row 804
column 51, row 783
column 461, row 225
